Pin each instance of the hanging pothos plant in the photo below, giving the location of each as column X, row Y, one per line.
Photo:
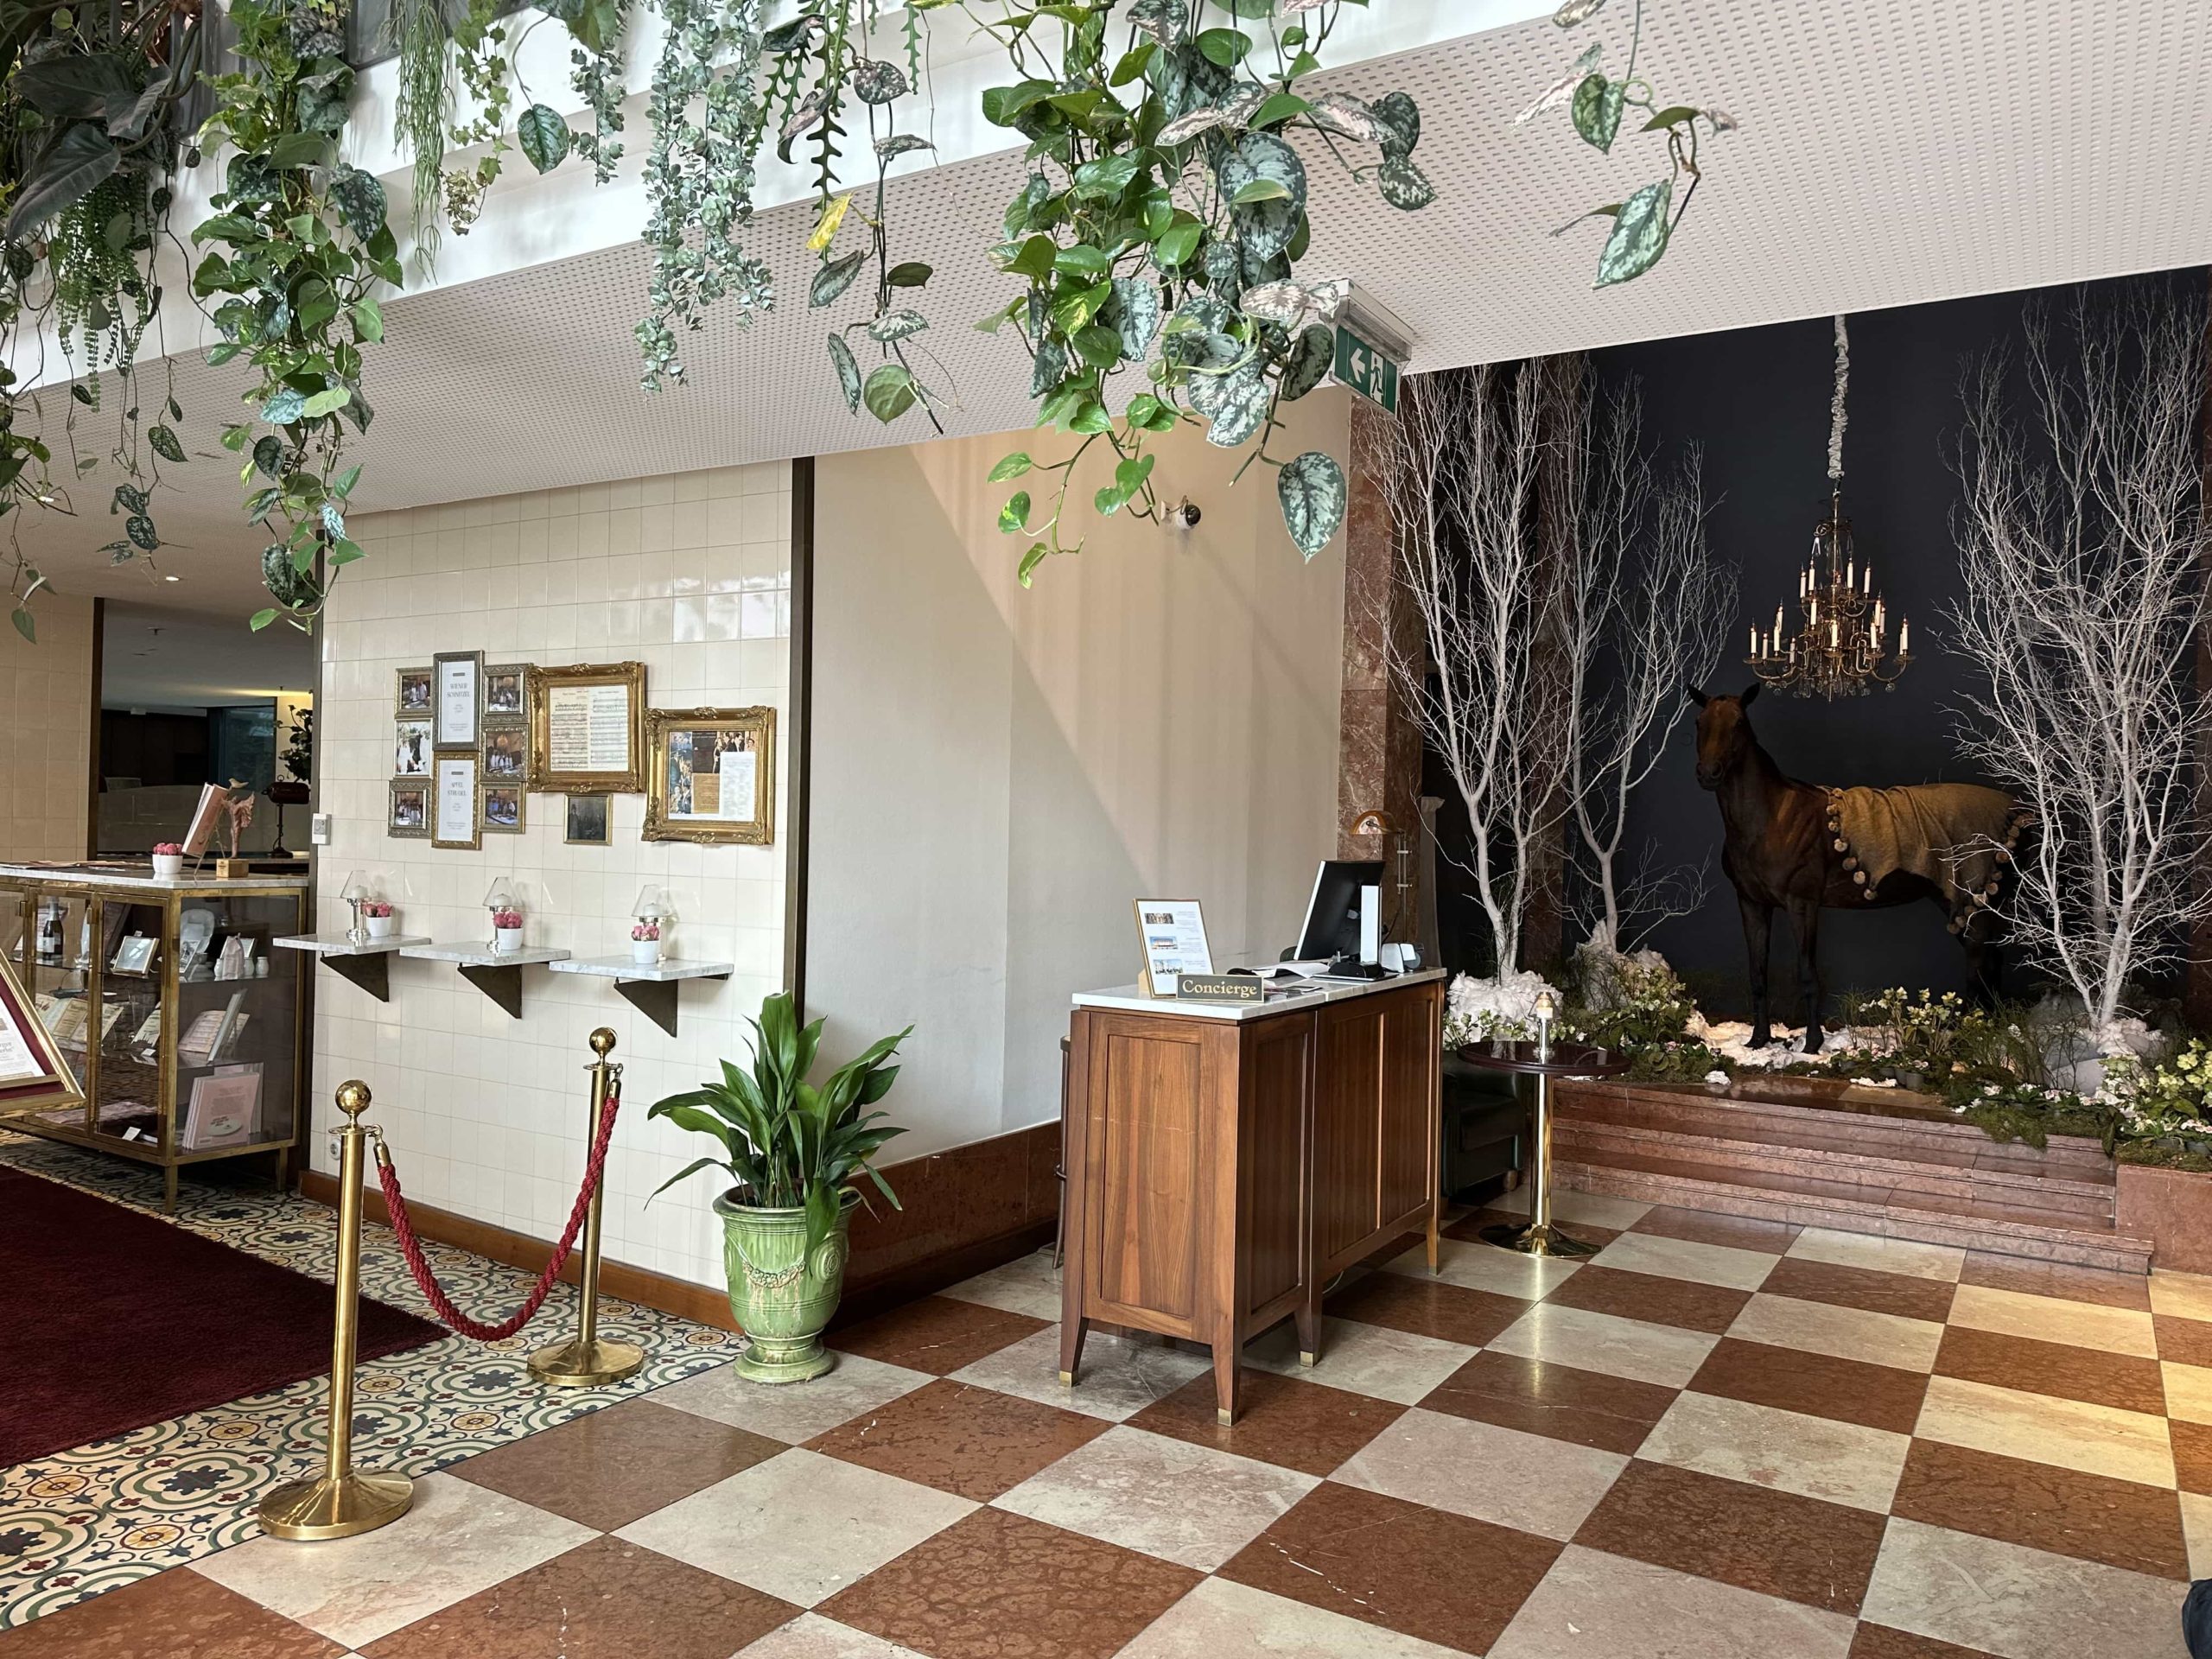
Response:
column 1158, row 230
column 299, row 244
column 1645, row 222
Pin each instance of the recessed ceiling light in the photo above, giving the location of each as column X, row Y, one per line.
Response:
column 172, row 578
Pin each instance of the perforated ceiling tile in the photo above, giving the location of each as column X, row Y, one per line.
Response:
column 1891, row 151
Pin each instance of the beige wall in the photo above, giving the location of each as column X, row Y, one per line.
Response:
column 997, row 774
column 45, row 734
column 689, row 574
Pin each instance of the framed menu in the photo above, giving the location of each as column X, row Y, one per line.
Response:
column 455, row 821
column 1174, row 932
column 587, row 729
column 457, row 699
column 33, row 1074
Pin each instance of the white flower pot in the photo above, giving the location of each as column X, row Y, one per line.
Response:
column 646, row 952
column 380, row 927
column 505, row 939
column 168, row 867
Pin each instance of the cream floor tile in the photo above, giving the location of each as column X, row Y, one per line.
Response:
column 791, row 1411
column 1593, row 1606
column 2018, row 1602
column 1030, row 1286
column 1222, row 1619
column 2197, row 1529
column 2189, row 1391
column 2054, row 1319
column 1501, row 1475
column 1370, row 1359
column 812, row 1637
column 1169, row 1499
column 1120, row 1376
column 1598, row 1209
column 2184, row 1295
column 1786, row 1451
column 1600, row 1342
column 1843, row 1332
column 1682, row 1258
column 800, row 1526
column 454, row 1540
column 1882, row 1255
column 1483, row 1267
column 2071, row 1433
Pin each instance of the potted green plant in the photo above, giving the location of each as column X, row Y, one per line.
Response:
column 796, row 1153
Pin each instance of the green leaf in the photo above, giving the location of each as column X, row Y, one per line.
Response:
column 1400, row 117
column 1133, row 63
column 1082, row 260
column 286, row 407
column 896, row 325
column 1403, row 185
column 889, row 392
column 1280, row 106
column 1267, row 220
column 910, row 273
column 1261, row 190
column 368, row 320
column 1012, row 466
column 834, row 278
column 1033, row 259
column 63, row 174
column 165, row 444
column 1597, row 110
column 1639, row 236
column 1178, row 245
column 1234, row 404
column 261, row 620
column 26, row 623
column 1015, row 514
column 140, row 529
column 1025, row 571
column 1099, row 345
column 1225, row 47
column 1108, row 175
column 359, row 199
column 1310, row 490
column 1310, row 358
column 328, row 401
column 343, row 486
column 543, row 136
column 849, row 371
column 296, row 150
column 1674, row 114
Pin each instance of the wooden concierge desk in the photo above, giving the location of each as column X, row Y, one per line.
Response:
column 1225, row 1162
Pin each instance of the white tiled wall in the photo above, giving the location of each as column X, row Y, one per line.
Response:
column 689, row 574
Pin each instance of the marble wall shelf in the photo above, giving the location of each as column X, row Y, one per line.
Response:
column 498, row 973
column 367, row 965
column 651, row 990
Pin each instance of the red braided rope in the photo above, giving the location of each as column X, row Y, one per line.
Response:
column 411, row 1247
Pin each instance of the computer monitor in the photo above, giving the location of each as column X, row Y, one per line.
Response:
column 1332, row 927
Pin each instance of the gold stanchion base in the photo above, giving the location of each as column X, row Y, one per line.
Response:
column 578, row 1364
column 1546, row 1240
column 323, row 1508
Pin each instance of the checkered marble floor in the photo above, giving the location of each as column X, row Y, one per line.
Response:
column 1719, row 1438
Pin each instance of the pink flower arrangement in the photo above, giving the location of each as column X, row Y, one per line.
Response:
column 375, row 908
column 509, row 918
column 645, row 931
column 169, row 849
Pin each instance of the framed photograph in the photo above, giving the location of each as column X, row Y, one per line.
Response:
column 33, row 1073
column 454, row 816
column 414, row 700
column 507, row 751
column 586, row 728
column 591, row 821
column 711, row 775
column 410, row 819
column 411, row 754
column 507, row 689
column 457, row 706
column 503, row 809
column 135, row 956
column 1172, row 934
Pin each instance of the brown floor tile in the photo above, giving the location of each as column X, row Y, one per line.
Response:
column 1710, row 1308
column 1707, row 1227
column 1471, row 1227
column 935, row 1334
column 2096, row 1285
column 173, row 1615
column 1880, row 1642
column 1774, row 1542
column 1849, row 1390
column 1863, row 1287
column 2121, row 1522
column 2188, row 1341
column 611, row 1467
column 1279, row 1420
column 974, row 1442
column 1585, row 1407
column 2192, row 1444
column 1444, row 1578
column 605, row 1600
column 1426, row 1307
column 2060, row 1369
column 997, row 1586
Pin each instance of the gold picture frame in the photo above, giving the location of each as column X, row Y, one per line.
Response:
column 461, row 671
column 594, row 817
column 415, row 825
column 34, row 1075
column 570, row 727
column 674, row 787
column 450, row 767
column 416, row 693
column 493, row 809
column 506, row 690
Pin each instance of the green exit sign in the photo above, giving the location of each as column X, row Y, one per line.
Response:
column 1363, row 367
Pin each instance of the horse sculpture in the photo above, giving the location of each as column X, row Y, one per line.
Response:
column 1800, row 847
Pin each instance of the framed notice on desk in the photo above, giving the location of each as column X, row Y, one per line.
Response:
column 587, row 729
column 1173, row 932
column 32, row 1071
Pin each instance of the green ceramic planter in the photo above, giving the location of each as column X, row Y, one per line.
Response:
column 782, row 1296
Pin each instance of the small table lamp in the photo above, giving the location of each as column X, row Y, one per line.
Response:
column 356, row 893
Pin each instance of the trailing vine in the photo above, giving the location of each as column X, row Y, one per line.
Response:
column 424, row 107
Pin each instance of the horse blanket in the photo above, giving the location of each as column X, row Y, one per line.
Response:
column 1959, row 836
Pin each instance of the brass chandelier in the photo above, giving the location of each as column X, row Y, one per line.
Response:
column 1840, row 646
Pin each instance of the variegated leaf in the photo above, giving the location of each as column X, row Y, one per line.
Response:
column 1340, row 112
column 1185, row 128
column 1639, row 235
column 1311, row 491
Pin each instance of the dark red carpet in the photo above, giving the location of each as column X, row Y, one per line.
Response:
column 116, row 1319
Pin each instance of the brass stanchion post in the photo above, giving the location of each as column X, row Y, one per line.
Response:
column 589, row 1360
column 342, row 1500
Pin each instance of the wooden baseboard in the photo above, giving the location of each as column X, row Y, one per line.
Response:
column 964, row 1212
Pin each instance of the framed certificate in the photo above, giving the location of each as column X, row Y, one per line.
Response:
column 454, row 819
column 33, row 1074
column 712, row 775
column 587, row 729
column 457, row 699
column 1173, row 932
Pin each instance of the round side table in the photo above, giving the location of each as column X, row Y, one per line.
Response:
column 1543, row 1060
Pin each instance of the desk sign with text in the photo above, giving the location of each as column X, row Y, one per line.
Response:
column 1220, row 988
column 1172, row 934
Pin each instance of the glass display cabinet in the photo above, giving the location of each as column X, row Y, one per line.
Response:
column 186, row 1030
